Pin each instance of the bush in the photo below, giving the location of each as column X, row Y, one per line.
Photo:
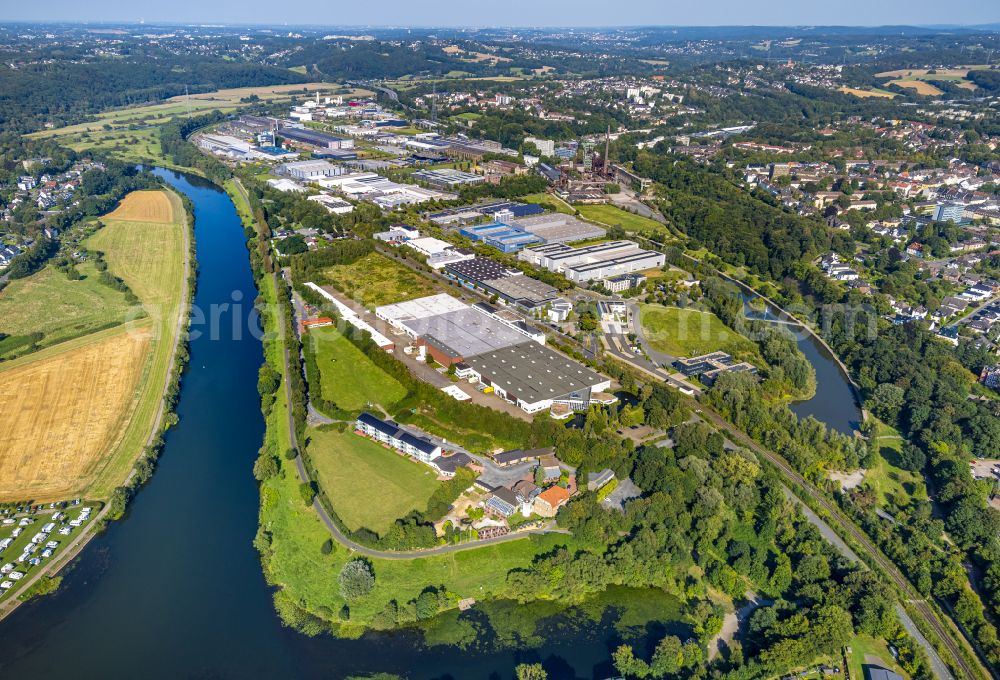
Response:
column 327, row 546
column 356, row 580
column 265, row 468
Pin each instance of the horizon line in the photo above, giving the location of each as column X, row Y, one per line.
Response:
column 993, row 26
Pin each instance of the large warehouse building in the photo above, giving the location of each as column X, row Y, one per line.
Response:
column 593, row 263
column 559, row 228
column 502, row 355
column 315, row 138
column 511, row 285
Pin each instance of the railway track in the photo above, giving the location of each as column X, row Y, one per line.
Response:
column 957, row 658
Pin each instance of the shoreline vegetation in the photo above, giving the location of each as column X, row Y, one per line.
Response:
column 133, row 468
column 294, row 545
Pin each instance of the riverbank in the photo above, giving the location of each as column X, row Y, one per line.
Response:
column 171, row 365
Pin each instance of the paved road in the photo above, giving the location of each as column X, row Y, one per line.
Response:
column 943, row 629
column 335, row 531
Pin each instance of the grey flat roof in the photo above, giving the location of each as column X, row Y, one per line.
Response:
column 532, row 373
column 557, row 228
column 478, row 269
column 464, row 332
column 612, row 261
column 523, row 287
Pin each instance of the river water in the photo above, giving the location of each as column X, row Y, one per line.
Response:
column 835, row 401
column 175, row 590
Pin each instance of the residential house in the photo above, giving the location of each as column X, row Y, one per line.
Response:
column 388, row 432
column 548, row 502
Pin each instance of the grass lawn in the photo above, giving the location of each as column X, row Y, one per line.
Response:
column 349, row 378
column 867, row 650
column 368, row 485
column 549, row 202
column 376, row 280
column 613, row 215
column 308, row 577
column 691, row 332
column 892, row 484
column 49, row 303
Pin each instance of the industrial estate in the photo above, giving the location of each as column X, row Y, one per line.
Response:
column 624, row 353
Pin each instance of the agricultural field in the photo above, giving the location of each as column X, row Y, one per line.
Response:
column 376, row 280
column 348, row 378
column 133, row 133
column 137, row 235
column 875, row 92
column 85, row 408
column 611, row 216
column 690, row 332
column 921, row 87
column 369, row 485
column 49, row 303
column 921, row 79
column 64, row 409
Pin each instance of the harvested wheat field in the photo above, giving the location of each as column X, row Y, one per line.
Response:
column 866, row 93
column 921, row 86
column 144, row 206
column 66, row 410
column 146, row 253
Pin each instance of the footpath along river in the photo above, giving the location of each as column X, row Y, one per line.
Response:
column 175, row 590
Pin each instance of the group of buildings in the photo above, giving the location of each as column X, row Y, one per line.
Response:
column 417, row 446
column 499, row 354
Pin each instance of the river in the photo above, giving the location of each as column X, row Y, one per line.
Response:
column 835, row 401
column 176, row 590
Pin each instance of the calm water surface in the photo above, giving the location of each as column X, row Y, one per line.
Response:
column 175, row 590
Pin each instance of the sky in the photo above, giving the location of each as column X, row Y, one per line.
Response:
column 513, row 12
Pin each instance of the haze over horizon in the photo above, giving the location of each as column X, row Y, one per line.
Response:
column 518, row 13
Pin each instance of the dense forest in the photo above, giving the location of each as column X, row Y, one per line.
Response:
column 62, row 92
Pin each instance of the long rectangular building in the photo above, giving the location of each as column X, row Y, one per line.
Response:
column 315, row 138
column 559, row 228
column 594, row 262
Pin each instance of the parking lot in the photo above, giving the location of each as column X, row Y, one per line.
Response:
column 985, row 468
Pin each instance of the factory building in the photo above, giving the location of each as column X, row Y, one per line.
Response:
column 498, row 351
column 447, row 179
column 310, row 170
column 559, row 228
column 595, row 262
column 314, row 138
column 510, row 285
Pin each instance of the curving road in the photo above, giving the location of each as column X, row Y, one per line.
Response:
column 335, row 531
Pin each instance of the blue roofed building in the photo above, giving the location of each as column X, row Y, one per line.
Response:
column 504, row 237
